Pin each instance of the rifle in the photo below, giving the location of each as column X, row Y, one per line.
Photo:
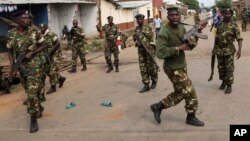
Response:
column 194, row 32
column 18, row 64
column 212, row 61
column 147, row 51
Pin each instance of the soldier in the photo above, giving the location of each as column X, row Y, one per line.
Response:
column 54, row 55
column 197, row 18
column 77, row 46
column 227, row 32
column 28, row 41
column 148, row 68
column 171, row 48
column 244, row 19
column 111, row 31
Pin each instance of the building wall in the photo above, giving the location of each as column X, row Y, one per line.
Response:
column 123, row 17
column 53, row 18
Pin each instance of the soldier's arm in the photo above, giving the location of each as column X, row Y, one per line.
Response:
column 80, row 33
column 56, row 45
column 239, row 39
column 10, row 54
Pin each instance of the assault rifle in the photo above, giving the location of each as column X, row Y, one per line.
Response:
column 18, row 64
column 147, row 51
column 194, row 32
column 213, row 61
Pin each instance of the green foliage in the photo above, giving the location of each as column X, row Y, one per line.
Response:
column 222, row 4
column 192, row 4
column 94, row 45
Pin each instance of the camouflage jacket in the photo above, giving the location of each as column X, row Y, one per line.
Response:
column 196, row 18
column 110, row 31
column 225, row 36
column 77, row 34
column 145, row 35
column 50, row 38
column 25, row 42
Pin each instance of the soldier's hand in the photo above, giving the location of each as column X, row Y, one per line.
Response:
column 29, row 55
column 238, row 55
column 183, row 47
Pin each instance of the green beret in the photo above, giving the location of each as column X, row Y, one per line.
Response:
column 20, row 13
column 173, row 8
column 139, row 16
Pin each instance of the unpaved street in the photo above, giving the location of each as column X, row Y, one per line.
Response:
column 130, row 118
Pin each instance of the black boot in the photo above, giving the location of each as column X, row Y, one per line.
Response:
column 145, row 88
column 153, row 85
column 228, row 89
column 61, row 81
column 73, row 69
column 109, row 68
column 52, row 89
column 116, row 68
column 156, row 109
column 84, row 68
column 33, row 124
column 223, row 85
column 193, row 120
column 40, row 113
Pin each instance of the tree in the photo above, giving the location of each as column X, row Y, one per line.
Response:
column 222, row 4
column 192, row 4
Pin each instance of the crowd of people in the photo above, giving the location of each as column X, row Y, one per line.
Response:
column 37, row 49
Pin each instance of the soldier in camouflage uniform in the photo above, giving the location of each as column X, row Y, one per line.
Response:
column 227, row 32
column 54, row 56
column 244, row 19
column 171, row 48
column 111, row 31
column 28, row 40
column 148, row 68
column 77, row 45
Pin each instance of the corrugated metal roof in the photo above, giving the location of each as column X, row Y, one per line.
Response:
column 45, row 1
column 133, row 4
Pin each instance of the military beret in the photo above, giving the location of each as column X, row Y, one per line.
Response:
column 20, row 13
column 139, row 16
column 109, row 17
column 172, row 8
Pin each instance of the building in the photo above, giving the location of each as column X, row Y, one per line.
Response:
column 238, row 5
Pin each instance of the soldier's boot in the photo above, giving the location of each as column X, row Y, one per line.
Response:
column 153, row 85
column 61, row 81
column 193, row 120
column 73, row 69
column 40, row 113
column 33, row 124
column 228, row 89
column 84, row 68
column 25, row 102
column 109, row 68
column 52, row 89
column 145, row 88
column 116, row 68
column 156, row 109
column 223, row 85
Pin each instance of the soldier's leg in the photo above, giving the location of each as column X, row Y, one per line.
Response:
column 153, row 72
column 143, row 71
column 107, row 54
column 81, row 53
column 116, row 58
column 221, row 70
column 73, row 60
column 229, row 78
column 53, row 77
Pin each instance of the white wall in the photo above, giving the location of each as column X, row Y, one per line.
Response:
column 52, row 17
column 89, row 19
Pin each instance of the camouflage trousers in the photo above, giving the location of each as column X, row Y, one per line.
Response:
column 53, row 72
column 148, row 68
column 32, row 85
column 183, row 89
column 226, row 68
column 78, row 51
column 111, row 48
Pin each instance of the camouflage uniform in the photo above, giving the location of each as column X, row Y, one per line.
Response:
column 175, row 68
column 196, row 18
column 110, row 43
column 244, row 20
column 124, row 38
column 225, row 49
column 77, row 46
column 147, row 66
column 53, row 68
column 23, row 43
